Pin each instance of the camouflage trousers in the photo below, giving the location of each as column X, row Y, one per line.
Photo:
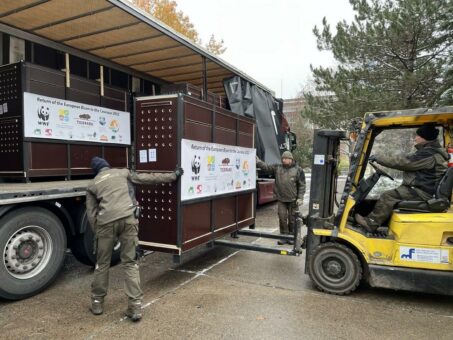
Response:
column 385, row 204
column 126, row 231
column 286, row 216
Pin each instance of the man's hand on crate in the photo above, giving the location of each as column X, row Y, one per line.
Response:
column 179, row 172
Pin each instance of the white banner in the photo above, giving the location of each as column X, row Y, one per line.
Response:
column 215, row 169
column 51, row 118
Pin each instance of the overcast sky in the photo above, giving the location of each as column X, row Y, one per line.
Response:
column 270, row 40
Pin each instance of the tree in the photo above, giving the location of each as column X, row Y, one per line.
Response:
column 396, row 54
column 167, row 12
column 215, row 46
column 303, row 153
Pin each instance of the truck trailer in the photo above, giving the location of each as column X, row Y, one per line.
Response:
column 133, row 91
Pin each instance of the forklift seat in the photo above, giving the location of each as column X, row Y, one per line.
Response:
column 441, row 201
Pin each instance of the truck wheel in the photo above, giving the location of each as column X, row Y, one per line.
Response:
column 335, row 269
column 33, row 245
column 82, row 246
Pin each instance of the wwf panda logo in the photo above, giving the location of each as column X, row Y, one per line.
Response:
column 196, row 165
column 43, row 113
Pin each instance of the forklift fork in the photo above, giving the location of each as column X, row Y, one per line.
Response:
column 296, row 238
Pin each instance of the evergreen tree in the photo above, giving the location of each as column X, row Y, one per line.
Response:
column 396, row 54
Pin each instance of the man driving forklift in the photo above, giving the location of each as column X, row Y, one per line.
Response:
column 423, row 171
column 416, row 252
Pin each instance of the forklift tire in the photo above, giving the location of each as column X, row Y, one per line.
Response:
column 335, row 269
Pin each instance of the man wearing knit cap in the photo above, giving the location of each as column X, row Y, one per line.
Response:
column 422, row 172
column 113, row 214
column 289, row 190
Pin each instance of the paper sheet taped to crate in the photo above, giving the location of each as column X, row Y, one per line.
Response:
column 52, row 118
column 215, row 169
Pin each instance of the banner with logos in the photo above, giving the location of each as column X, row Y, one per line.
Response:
column 52, row 118
column 215, row 169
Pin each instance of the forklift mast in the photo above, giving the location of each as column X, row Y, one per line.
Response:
column 326, row 156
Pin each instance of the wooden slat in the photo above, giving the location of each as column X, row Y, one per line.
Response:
column 211, row 80
column 174, row 78
column 154, row 55
column 51, row 11
column 211, row 84
column 156, row 42
column 178, row 70
column 9, row 6
column 115, row 36
column 86, row 24
column 173, row 62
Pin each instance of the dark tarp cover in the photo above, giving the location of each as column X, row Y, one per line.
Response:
column 250, row 100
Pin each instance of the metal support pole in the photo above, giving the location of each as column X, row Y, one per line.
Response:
column 205, row 78
column 68, row 70
column 101, row 74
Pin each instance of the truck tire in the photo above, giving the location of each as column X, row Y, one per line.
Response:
column 82, row 246
column 33, row 246
column 335, row 269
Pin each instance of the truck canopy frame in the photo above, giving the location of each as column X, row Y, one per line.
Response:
column 117, row 34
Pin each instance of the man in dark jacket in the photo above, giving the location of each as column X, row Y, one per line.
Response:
column 112, row 212
column 423, row 171
column 289, row 190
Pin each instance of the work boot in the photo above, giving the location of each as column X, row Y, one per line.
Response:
column 281, row 242
column 134, row 311
column 97, row 306
column 366, row 223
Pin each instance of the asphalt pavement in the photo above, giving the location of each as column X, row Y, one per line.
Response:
column 220, row 293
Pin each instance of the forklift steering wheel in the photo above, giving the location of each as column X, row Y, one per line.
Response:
column 381, row 172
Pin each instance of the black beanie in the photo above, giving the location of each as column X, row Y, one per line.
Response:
column 97, row 163
column 428, row 132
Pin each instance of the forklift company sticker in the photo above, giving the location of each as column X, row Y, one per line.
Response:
column 424, row 255
column 319, row 160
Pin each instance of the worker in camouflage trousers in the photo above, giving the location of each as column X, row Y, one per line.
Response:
column 113, row 214
column 423, row 171
column 289, row 190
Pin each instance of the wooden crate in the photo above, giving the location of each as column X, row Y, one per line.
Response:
column 166, row 223
column 25, row 158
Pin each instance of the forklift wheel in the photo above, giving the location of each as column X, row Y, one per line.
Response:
column 335, row 269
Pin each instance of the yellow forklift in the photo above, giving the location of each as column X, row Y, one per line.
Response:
column 414, row 251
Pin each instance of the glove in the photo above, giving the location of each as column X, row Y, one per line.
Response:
column 179, row 172
column 299, row 201
column 372, row 158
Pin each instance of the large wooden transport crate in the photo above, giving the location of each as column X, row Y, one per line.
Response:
column 32, row 95
column 202, row 205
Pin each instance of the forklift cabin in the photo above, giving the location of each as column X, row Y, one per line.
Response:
column 414, row 250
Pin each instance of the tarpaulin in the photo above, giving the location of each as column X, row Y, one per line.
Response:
column 250, row 100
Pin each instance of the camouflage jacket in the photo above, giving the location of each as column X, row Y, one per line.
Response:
column 111, row 196
column 423, row 169
column 289, row 181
